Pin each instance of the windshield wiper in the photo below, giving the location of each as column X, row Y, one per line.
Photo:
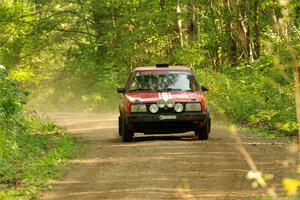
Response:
column 139, row 89
column 168, row 89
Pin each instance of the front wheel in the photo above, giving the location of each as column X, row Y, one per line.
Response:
column 120, row 125
column 203, row 133
column 127, row 135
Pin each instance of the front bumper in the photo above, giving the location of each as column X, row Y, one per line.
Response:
column 167, row 122
column 166, row 117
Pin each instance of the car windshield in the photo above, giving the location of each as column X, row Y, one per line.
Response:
column 160, row 81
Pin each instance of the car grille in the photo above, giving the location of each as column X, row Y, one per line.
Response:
column 164, row 110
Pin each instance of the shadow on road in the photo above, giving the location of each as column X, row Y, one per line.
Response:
column 144, row 138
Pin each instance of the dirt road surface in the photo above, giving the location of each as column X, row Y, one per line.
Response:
column 164, row 166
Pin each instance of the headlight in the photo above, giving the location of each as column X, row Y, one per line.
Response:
column 138, row 108
column 193, row 107
column 153, row 108
column 161, row 103
column 178, row 107
column 170, row 103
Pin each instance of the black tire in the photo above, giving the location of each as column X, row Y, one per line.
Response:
column 127, row 136
column 120, row 125
column 209, row 125
column 203, row 133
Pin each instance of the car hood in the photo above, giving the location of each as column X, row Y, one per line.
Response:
column 153, row 97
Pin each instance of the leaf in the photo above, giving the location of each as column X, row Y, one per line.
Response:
column 290, row 185
column 2, row 196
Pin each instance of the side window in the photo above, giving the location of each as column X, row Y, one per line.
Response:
column 134, row 83
column 193, row 83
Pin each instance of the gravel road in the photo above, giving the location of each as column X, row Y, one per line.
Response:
column 164, row 166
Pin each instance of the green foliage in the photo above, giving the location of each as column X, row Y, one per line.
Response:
column 29, row 153
column 250, row 95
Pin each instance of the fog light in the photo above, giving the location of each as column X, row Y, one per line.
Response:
column 170, row 103
column 153, row 108
column 178, row 107
column 161, row 103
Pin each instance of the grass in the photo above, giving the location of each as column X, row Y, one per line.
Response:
column 31, row 160
column 32, row 151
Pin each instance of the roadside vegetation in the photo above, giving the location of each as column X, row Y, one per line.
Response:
column 32, row 150
column 253, row 95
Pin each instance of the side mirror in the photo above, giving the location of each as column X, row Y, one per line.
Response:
column 121, row 90
column 204, row 88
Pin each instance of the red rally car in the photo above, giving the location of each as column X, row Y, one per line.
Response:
column 163, row 99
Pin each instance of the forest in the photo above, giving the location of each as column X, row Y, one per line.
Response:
column 71, row 55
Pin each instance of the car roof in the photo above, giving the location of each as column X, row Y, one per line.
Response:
column 147, row 68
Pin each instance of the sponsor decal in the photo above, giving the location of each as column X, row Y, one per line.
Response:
column 164, row 117
column 165, row 96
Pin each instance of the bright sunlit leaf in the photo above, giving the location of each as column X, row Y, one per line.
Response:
column 291, row 185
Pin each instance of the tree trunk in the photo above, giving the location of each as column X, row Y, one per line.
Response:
column 192, row 28
column 242, row 32
column 297, row 92
column 256, row 32
column 275, row 19
column 231, row 43
column 217, row 60
column 179, row 23
column 162, row 4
